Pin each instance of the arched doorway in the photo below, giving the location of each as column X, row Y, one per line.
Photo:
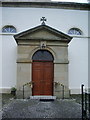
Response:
column 42, row 73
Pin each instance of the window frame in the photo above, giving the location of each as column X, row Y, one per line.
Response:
column 10, row 31
column 75, row 32
column 42, row 55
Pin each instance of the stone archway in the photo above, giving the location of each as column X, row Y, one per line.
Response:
column 42, row 73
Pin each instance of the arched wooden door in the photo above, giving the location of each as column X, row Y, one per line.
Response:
column 42, row 73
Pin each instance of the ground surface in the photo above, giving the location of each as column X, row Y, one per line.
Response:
column 7, row 98
column 19, row 108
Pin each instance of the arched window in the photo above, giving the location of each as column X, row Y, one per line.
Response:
column 75, row 31
column 42, row 55
column 9, row 29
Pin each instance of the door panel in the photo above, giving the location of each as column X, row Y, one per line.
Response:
column 42, row 77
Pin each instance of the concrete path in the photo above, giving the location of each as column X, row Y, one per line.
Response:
column 39, row 109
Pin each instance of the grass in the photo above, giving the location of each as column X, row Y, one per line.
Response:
column 6, row 99
column 77, row 97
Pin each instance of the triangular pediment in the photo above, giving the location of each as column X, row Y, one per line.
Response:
column 42, row 32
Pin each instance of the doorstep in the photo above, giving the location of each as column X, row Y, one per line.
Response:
column 43, row 97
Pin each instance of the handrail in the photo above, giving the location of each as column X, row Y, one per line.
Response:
column 30, row 84
column 58, row 83
column 62, row 91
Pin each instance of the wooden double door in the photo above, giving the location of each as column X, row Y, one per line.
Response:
column 42, row 77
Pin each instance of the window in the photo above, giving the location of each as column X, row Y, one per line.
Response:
column 9, row 29
column 75, row 31
column 42, row 55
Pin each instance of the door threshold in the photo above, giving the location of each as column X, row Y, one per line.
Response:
column 43, row 97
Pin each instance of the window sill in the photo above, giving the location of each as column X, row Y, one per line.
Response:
column 8, row 33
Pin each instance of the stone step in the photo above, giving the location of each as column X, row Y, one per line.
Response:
column 43, row 97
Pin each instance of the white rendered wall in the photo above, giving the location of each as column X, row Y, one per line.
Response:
column 78, row 66
column 26, row 18
column 63, row 20
column 9, row 56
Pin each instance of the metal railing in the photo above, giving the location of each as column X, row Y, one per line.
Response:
column 62, row 88
column 85, row 103
column 30, row 84
column 62, row 91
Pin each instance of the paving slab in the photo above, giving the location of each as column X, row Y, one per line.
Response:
column 27, row 108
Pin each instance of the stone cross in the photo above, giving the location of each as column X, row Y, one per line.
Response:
column 43, row 19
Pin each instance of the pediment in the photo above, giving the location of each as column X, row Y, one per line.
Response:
column 42, row 32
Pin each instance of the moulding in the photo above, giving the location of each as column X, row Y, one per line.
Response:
column 56, row 5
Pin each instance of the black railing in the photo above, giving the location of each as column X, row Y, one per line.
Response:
column 85, row 103
column 30, row 84
column 23, row 91
column 62, row 89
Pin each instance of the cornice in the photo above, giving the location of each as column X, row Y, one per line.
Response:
column 56, row 5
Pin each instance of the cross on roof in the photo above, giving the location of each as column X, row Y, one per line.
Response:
column 43, row 19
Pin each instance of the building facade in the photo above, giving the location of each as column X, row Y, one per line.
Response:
column 70, row 59
column 43, row 61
